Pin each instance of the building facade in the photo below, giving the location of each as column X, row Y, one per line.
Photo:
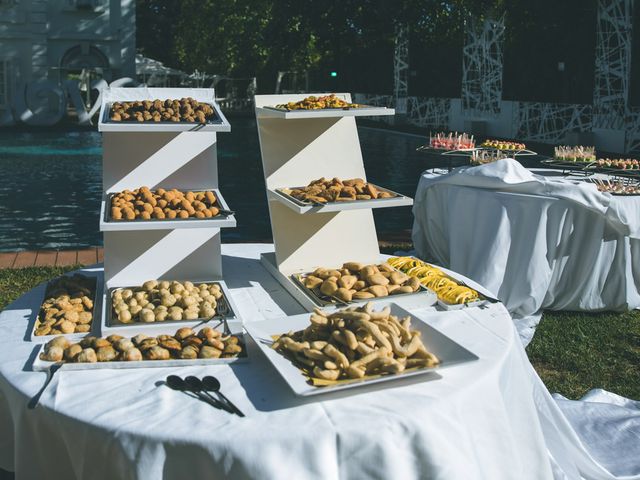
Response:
column 46, row 43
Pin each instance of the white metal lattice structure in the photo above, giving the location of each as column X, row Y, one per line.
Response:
column 401, row 68
column 550, row 122
column 482, row 66
column 429, row 112
column 612, row 63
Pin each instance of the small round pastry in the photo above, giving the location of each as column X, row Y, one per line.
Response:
column 137, row 340
column 183, row 333
column 88, row 355
column 132, row 355
column 150, row 285
column 207, row 311
column 157, row 353
column 164, row 284
column 135, row 310
column 189, row 352
column 147, row 343
column 124, row 316
column 123, row 344
column 42, row 330
column 193, row 340
column 72, row 351
column 139, row 296
column 100, row 342
column 209, row 352
column 191, row 314
column 114, row 338
column 177, row 287
column 67, row 326
column 82, row 328
column 71, row 316
column 106, row 354
column 208, row 332
column 147, row 316
column 189, row 301
column 120, row 306
column 61, row 342
column 127, row 294
column 170, row 344
column 84, row 318
column 168, row 300
column 87, row 342
column 52, row 354
column 215, row 342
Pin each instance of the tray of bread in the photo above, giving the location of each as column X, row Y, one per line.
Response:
column 323, row 191
column 68, row 307
column 359, row 345
column 355, row 282
column 143, row 204
column 453, row 294
column 205, row 345
column 168, row 303
column 184, row 110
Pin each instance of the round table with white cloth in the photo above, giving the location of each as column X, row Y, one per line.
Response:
column 538, row 239
column 488, row 419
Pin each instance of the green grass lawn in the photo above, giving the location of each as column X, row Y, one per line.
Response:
column 572, row 352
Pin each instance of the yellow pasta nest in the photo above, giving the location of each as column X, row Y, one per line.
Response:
column 447, row 289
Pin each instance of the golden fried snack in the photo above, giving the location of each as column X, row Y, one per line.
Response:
column 162, row 301
column 355, row 281
column 184, row 344
column 183, row 110
column 447, row 289
column 336, row 190
column 318, row 103
column 68, row 306
column 354, row 343
column 145, row 204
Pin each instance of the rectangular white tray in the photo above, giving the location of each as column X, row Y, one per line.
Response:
column 421, row 299
column 137, row 225
column 144, row 93
column 449, row 352
column 235, row 327
column 157, row 328
column 95, row 322
column 367, row 111
column 301, row 207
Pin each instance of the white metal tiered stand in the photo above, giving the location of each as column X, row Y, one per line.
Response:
column 163, row 155
column 298, row 147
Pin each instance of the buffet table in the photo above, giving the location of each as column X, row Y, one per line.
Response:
column 537, row 239
column 494, row 413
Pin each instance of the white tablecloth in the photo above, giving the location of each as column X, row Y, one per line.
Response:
column 490, row 419
column 536, row 241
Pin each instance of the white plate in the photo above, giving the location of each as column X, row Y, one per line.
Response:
column 449, row 352
column 235, row 327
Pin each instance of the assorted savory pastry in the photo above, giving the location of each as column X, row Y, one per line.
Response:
column 575, row 154
column 623, row 164
column 618, row 187
column 356, row 281
column 170, row 110
column 318, row 103
column 336, row 190
column 184, row 344
column 503, row 145
column 447, row 289
column 451, row 141
column 354, row 343
column 159, row 301
column 67, row 307
column 161, row 204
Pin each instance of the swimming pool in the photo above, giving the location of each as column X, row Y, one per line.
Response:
column 51, row 184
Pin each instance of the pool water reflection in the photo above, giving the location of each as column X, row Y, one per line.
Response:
column 51, row 184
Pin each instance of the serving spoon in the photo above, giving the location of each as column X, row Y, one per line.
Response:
column 212, row 384
column 176, row 383
column 194, row 384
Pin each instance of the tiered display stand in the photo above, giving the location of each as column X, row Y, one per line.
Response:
column 298, row 147
column 163, row 155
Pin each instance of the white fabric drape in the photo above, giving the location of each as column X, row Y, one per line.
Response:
column 489, row 419
column 535, row 242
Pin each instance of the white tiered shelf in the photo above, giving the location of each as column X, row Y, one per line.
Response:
column 160, row 155
column 322, row 143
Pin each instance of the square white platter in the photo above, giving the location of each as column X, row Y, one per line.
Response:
column 449, row 352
